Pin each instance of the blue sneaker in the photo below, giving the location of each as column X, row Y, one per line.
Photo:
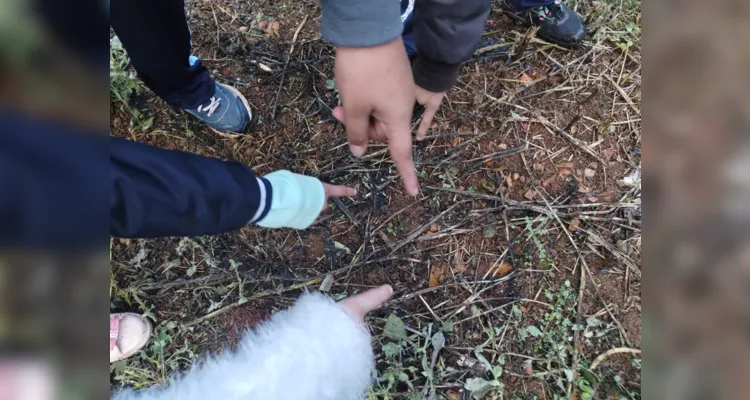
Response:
column 557, row 22
column 226, row 112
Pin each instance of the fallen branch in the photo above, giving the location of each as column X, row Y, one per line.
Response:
column 611, row 352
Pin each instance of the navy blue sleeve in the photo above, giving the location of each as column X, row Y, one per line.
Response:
column 157, row 192
column 53, row 185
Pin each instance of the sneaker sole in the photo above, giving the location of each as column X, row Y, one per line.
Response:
column 235, row 135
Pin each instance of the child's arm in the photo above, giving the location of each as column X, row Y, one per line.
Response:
column 446, row 33
column 316, row 350
column 156, row 192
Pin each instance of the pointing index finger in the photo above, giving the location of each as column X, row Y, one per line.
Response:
column 399, row 144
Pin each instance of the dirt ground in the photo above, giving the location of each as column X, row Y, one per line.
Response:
column 523, row 248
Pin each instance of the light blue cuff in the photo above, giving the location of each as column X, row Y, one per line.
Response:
column 297, row 200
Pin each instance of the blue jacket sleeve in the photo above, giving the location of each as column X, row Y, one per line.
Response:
column 156, row 192
column 53, row 185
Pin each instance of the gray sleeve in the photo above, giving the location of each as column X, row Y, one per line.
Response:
column 361, row 23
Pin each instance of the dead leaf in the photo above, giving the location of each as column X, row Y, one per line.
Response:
column 504, row 269
column 489, row 164
column 452, row 395
column 523, row 179
column 568, row 165
column 516, row 175
column 606, row 196
column 490, row 271
column 608, row 153
column 548, row 182
column 437, row 275
column 478, row 98
column 462, row 267
column 530, row 194
column 274, row 26
column 583, row 189
column 434, row 228
column 538, row 167
column 574, row 224
column 589, row 173
column 243, row 29
column 525, row 78
column 455, row 141
column 566, row 172
column 263, row 25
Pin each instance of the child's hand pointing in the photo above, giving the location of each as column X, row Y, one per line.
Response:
column 361, row 304
column 337, row 191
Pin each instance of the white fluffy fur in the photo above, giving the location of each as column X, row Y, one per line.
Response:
column 313, row 350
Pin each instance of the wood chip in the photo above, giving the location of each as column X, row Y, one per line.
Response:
column 589, row 173
column 530, row 194
column 243, row 29
column 516, row 175
column 608, row 153
column 583, row 189
column 568, row 165
column 538, row 167
column 566, row 172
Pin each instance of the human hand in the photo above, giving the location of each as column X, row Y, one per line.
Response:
column 337, row 191
column 377, row 96
column 431, row 102
column 361, row 304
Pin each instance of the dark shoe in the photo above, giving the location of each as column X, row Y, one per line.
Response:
column 225, row 112
column 557, row 23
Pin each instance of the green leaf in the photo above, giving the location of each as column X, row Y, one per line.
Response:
column 517, row 311
column 478, row 354
column 330, row 84
column 242, row 300
column 192, row 269
column 395, row 328
column 533, row 331
column 568, row 374
column 475, row 385
column 447, row 327
column 391, row 349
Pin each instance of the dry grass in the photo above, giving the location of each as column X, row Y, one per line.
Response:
column 522, row 191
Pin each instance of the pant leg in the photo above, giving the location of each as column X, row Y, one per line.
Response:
column 526, row 4
column 157, row 38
